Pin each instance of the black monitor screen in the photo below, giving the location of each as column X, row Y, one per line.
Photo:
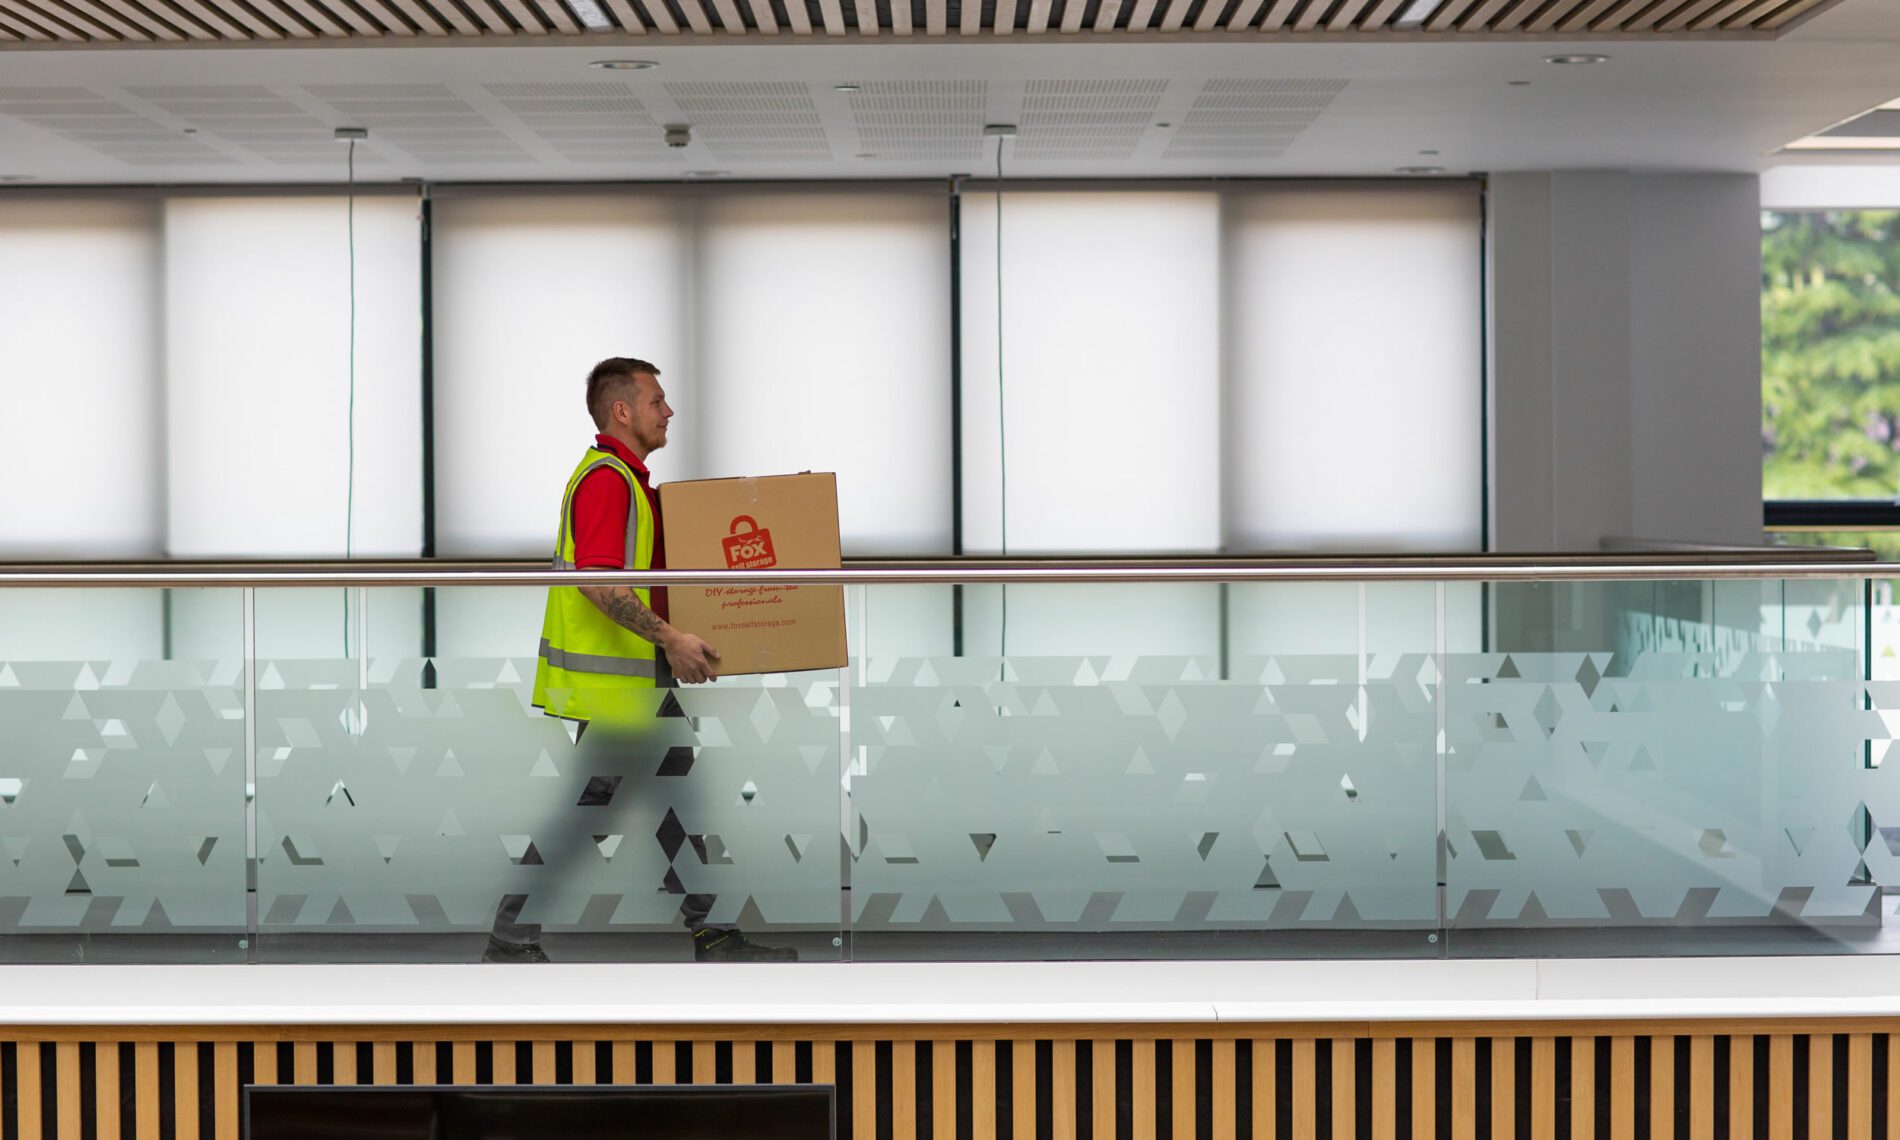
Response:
column 508, row 1112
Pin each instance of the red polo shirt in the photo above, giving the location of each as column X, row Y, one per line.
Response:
column 600, row 518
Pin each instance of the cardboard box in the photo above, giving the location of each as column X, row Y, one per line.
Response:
column 782, row 522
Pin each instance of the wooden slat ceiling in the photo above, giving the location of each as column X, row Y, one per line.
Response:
column 77, row 23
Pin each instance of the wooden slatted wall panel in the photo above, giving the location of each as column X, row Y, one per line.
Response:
column 1692, row 1082
column 77, row 23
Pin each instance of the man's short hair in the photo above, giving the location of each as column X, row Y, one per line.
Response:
column 612, row 379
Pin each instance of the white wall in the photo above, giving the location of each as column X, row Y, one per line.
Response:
column 1696, row 358
column 1626, row 359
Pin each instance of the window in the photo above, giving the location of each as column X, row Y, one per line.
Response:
column 1110, row 364
column 1831, row 377
column 1199, row 370
column 177, row 373
column 259, row 302
column 794, row 331
column 1355, row 379
column 1275, row 368
column 1269, row 368
column 79, row 364
column 530, row 291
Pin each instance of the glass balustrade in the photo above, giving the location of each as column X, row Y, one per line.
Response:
column 123, row 739
column 410, row 808
column 1023, row 771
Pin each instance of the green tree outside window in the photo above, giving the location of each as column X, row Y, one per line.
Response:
column 1830, row 316
column 1831, row 355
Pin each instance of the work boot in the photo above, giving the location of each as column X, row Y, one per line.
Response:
column 734, row 946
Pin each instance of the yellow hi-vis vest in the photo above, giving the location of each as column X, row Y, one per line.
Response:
column 592, row 667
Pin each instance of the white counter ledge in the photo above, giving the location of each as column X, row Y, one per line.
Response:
column 931, row 993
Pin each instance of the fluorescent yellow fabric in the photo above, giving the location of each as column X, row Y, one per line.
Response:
column 591, row 667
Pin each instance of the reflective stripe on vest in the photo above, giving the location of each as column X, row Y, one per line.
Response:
column 588, row 662
column 595, row 663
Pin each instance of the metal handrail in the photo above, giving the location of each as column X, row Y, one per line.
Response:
column 1649, row 566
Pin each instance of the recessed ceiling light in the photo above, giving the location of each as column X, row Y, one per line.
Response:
column 1520, row 83
column 624, row 64
column 1418, row 170
column 16, row 177
column 1428, row 152
column 707, row 173
column 866, row 154
column 1577, row 58
column 848, row 88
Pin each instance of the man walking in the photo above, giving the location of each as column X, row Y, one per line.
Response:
column 605, row 650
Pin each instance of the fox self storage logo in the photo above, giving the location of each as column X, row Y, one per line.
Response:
column 748, row 547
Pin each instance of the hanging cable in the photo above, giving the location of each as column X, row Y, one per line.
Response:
column 349, row 495
column 1002, row 416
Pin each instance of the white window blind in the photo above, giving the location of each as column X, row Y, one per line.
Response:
column 794, row 331
column 1110, row 373
column 1355, row 376
column 81, row 434
column 531, row 291
column 257, row 376
column 1269, row 368
column 824, row 326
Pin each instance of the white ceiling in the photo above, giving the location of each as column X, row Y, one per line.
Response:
column 1088, row 106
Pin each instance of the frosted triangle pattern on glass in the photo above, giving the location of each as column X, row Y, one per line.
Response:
column 1674, row 766
column 1669, row 755
column 122, row 802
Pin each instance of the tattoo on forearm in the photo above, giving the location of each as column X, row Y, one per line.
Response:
column 622, row 605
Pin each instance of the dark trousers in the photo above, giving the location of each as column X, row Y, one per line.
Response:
column 611, row 757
